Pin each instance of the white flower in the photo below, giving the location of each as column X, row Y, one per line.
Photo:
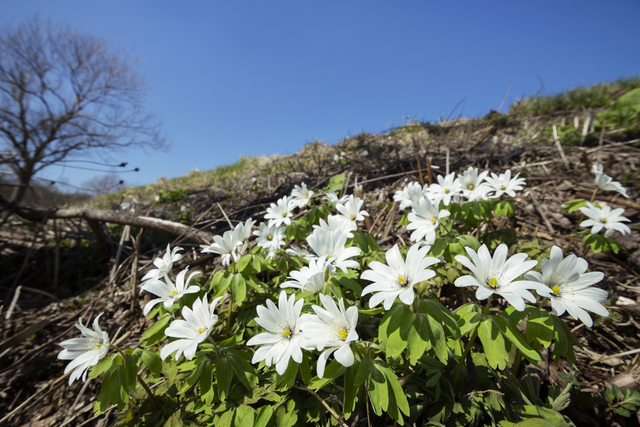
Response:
column 399, row 277
column 280, row 213
column 481, row 192
column 569, row 287
column 297, row 251
column 351, row 209
column 245, row 230
column 411, row 193
column 194, row 329
column 300, row 195
column 446, row 190
column 270, row 237
column 470, row 180
column 282, row 341
column 337, row 222
column 504, row 184
column 85, row 352
column 604, row 218
column 364, row 153
column 164, row 264
column 167, row 290
column 425, row 218
column 332, row 244
column 494, row 275
column 605, row 182
column 184, row 208
column 332, row 198
column 309, row 278
column 225, row 245
column 332, row 330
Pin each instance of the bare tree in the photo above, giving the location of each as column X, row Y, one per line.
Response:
column 66, row 94
column 103, row 184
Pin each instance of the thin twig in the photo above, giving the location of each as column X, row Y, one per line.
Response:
column 226, row 217
column 325, row 404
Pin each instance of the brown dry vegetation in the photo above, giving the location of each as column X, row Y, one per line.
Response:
column 55, row 272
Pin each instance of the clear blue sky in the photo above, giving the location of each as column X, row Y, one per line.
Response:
column 240, row 78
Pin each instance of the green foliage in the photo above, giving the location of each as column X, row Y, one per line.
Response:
column 624, row 113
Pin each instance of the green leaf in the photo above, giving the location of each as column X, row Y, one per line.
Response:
column 244, row 262
column 443, row 314
column 156, row 327
column 263, row 416
column 564, row 340
column 335, row 183
column 102, row 366
column 243, row 369
column 175, row 420
column 350, row 284
column 350, row 389
column 192, row 380
column 396, row 311
column 574, row 205
column 539, row 328
column 398, row 394
column 378, row 391
column 287, row 415
column 152, row 361
column 493, row 344
column 238, row 289
column 437, row 338
column 331, row 372
column 132, row 372
column 224, row 375
column 398, row 332
column 513, row 334
column 504, row 208
column 288, row 379
column 437, row 250
column 418, row 339
column 207, row 393
column 245, row 415
column 364, row 370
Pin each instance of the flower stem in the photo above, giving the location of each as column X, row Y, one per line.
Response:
column 140, row 380
column 229, row 318
column 215, row 346
column 467, row 349
column 575, row 230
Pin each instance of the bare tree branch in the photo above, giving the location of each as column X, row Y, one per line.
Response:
column 67, row 94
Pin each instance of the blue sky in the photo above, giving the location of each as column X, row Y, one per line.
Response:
column 251, row 78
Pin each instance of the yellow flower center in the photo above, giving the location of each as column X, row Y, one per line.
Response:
column 470, row 186
column 603, row 220
column 351, row 216
column 402, row 280
column 201, row 330
column 287, row 333
column 502, row 187
column 269, row 237
column 446, row 190
column 343, row 334
column 174, row 293
column 433, row 220
column 284, row 214
column 98, row 346
column 556, row 290
column 493, row 283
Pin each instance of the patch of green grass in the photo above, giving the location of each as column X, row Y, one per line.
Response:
column 599, row 95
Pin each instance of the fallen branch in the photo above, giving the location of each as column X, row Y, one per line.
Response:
column 173, row 228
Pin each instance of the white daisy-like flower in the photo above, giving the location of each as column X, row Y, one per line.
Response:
column 470, row 180
column 337, row 222
column 280, row 213
column 424, row 219
column 446, row 190
column 194, row 329
column 300, row 195
column 164, row 264
column 332, row 245
column 168, row 291
column 604, row 218
column 398, row 278
column 85, row 352
column 605, row 182
column 309, row 278
column 282, row 341
column 569, row 287
column 297, row 251
column 481, row 192
column 332, row 198
column 245, row 230
column 331, row 329
column 351, row 209
column 504, row 184
column 225, row 245
column 497, row 274
column 411, row 193
column 270, row 237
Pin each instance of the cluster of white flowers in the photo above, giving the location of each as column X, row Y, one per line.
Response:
column 427, row 203
column 331, row 329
